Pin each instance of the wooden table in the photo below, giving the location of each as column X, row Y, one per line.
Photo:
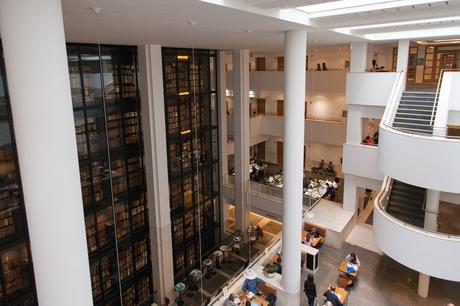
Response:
column 343, row 268
column 342, row 294
column 258, row 299
column 314, row 240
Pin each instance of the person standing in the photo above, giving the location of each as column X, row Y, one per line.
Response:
column 310, row 290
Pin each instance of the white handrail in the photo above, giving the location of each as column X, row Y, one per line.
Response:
column 380, row 204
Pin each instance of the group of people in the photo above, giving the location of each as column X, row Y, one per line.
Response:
column 332, row 298
column 321, row 67
column 322, row 167
column 374, row 140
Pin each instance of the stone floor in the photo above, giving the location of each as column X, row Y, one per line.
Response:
column 382, row 281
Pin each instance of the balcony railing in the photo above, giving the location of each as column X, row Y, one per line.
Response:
column 271, row 193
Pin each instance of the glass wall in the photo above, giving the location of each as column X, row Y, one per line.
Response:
column 106, row 103
column 17, row 285
column 193, row 156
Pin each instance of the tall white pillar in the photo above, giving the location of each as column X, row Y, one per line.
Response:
column 38, row 80
column 432, row 210
column 431, row 224
column 156, row 168
column 223, row 158
column 402, row 60
column 295, row 44
column 358, row 61
column 403, row 55
column 241, row 136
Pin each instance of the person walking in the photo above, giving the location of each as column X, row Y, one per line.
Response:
column 310, row 290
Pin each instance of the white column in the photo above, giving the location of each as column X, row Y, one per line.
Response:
column 295, row 44
column 403, row 55
column 358, row 61
column 432, row 210
column 156, row 168
column 241, row 135
column 423, row 285
column 402, row 60
column 431, row 224
column 350, row 192
column 223, row 158
column 38, row 80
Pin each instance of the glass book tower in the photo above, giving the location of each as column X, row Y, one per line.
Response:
column 106, row 103
column 189, row 78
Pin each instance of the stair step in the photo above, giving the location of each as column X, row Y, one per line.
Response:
column 419, row 116
column 409, row 189
column 415, row 105
column 408, row 125
column 420, row 93
column 413, row 120
column 418, row 107
column 407, row 219
column 409, row 214
column 410, row 196
column 415, row 131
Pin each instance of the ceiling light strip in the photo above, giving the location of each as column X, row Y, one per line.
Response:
column 425, row 33
column 363, row 6
column 400, row 23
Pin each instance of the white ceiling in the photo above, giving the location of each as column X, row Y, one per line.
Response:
column 253, row 24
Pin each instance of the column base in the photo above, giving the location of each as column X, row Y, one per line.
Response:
column 423, row 285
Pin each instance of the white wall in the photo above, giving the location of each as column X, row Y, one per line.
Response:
column 369, row 88
column 420, row 160
column 417, row 250
column 325, row 132
column 382, row 53
column 355, row 123
column 350, row 195
column 361, row 160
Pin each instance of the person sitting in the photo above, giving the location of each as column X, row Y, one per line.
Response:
column 332, row 297
column 330, row 167
column 376, row 138
column 251, row 282
column 230, row 301
column 353, row 259
column 314, row 232
column 260, row 232
column 324, row 67
column 321, row 167
column 308, row 240
column 318, row 67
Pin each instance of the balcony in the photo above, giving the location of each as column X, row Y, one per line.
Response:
column 432, row 253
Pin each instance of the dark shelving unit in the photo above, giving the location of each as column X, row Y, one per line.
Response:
column 106, row 104
column 191, row 111
column 17, row 284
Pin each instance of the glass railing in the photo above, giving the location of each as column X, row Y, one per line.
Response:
column 271, row 193
column 313, row 118
column 255, row 259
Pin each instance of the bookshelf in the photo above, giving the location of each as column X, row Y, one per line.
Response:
column 106, row 103
column 192, row 146
column 17, row 284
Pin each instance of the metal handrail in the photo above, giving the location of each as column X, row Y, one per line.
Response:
column 438, row 88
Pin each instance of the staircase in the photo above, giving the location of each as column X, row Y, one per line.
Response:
column 406, row 203
column 415, row 111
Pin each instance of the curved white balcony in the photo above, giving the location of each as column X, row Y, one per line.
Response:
column 427, row 161
column 431, row 253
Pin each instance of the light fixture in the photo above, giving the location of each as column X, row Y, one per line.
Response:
column 182, row 57
column 344, row 7
column 348, row 30
column 439, row 42
column 435, row 32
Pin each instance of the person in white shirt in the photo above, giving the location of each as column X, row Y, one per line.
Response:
column 353, row 259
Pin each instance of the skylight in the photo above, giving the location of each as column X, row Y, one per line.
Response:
column 344, row 7
column 348, row 30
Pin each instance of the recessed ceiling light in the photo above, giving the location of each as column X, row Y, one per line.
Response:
column 344, row 7
column 348, row 30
